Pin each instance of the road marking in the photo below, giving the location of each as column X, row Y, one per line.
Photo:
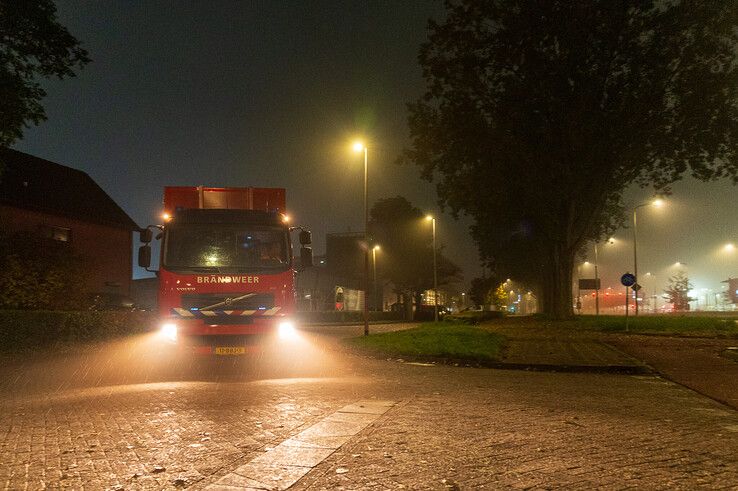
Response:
column 288, row 462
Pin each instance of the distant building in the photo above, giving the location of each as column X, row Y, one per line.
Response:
column 345, row 258
column 732, row 293
column 336, row 281
column 65, row 204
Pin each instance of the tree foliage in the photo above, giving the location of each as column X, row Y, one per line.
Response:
column 539, row 113
column 406, row 255
column 480, row 290
column 39, row 273
column 677, row 292
column 33, row 45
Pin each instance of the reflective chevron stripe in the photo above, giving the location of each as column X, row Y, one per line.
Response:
column 275, row 311
column 183, row 313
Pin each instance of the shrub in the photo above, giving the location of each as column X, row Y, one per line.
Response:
column 22, row 329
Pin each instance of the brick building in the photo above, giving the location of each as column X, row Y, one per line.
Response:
column 65, row 204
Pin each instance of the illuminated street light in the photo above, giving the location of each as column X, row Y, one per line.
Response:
column 374, row 268
column 358, row 147
column 658, row 202
column 435, row 270
column 730, row 247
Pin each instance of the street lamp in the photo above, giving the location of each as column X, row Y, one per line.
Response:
column 657, row 203
column 358, row 147
column 374, row 268
column 611, row 240
column 435, row 270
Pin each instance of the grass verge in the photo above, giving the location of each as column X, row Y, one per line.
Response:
column 442, row 341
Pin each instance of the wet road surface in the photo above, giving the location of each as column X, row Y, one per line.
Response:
column 132, row 415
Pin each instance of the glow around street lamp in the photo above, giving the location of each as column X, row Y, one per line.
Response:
column 358, row 146
column 730, row 247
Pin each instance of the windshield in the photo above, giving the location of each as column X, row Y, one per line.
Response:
column 222, row 248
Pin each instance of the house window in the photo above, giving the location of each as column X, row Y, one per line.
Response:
column 62, row 234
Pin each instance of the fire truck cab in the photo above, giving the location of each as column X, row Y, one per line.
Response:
column 226, row 269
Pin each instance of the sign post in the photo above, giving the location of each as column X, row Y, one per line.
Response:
column 627, row 280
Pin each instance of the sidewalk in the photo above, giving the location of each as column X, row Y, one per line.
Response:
column 560, row 350
column 705, row 365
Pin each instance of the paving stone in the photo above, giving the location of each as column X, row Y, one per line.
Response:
column 237, row 481
column 328, row 428
column 272, row 476
column 283, row 455
column 367, row 407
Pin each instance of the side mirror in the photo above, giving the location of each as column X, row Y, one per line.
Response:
column 306, row 257
column 145, row 235
column 144, row 256
column 306, row 237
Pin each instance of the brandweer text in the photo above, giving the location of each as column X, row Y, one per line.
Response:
column 227, row 279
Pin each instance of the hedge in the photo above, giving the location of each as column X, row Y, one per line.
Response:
column 31, row 329
column 347, row 316
column 474, row 317
column 45, row 328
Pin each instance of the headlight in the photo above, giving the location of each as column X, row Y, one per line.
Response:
column 169, row 331
column 286, row 330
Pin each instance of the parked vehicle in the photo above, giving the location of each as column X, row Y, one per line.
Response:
column 226, row 275
column 111, row 301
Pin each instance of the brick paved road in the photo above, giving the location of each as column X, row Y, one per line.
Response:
column 129, row 417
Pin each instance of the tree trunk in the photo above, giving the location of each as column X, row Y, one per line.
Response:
column 418, row 302
column 407, row 304
column 557, row 277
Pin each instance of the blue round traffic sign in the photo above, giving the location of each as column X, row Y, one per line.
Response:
column 628, row 279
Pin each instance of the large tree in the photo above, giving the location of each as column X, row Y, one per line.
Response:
column 33, row 45
column 538, row 113
column 406, row 254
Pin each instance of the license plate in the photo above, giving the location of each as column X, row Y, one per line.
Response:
column 230, row 350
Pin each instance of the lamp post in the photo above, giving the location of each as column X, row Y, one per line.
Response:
column 597, row 277
column 374, row 276
column 656, row 203
column 435, row 270
column 358, row 147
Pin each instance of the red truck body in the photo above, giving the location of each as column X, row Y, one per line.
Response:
column 226, row 270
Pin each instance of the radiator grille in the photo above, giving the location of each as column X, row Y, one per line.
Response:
column 258, row 301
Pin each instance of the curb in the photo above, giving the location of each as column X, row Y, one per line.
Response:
column 531, row 367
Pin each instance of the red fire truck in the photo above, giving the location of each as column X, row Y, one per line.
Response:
column 226, row 269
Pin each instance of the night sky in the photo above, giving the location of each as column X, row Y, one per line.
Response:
column 271, row 93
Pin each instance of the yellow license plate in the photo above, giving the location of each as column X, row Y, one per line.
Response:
column 230, row 350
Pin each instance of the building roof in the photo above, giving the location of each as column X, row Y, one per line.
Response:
column 32, row 183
